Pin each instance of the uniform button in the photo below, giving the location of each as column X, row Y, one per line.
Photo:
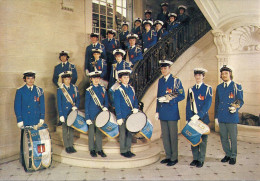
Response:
column 29, row 112
column 67, row 108
column 28, row 106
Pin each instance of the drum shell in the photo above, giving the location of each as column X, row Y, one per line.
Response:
column 147, row 131
column 76, row 120
column 110, row 129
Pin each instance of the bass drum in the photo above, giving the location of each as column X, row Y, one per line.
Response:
column 37, row 151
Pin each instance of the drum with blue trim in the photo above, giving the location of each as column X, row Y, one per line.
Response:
column 76, row 120
column 147, row 131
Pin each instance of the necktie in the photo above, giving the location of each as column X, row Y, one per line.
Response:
column 63, row 64
column 94, row 46
column 225, row 85
column 30, row 88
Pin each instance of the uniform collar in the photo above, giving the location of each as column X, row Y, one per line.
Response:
column 67, row 87
column 166, row 78
column 29, row 87
column 125, row 85
column 94, row 44
column 198, row 84
column 132, row 47
column 65, row 63
column 228, row 82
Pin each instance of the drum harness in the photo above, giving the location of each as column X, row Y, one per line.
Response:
column 95, row 98
column 126, row 98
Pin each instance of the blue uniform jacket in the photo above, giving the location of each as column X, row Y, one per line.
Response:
column 203, row 99
column 172, row 25
column 111, row 46
column 29, row 105
column 91, row 109
column 184, row 19
column 64, row 106
column 169, row 111
column 161, row 33
column 138, row 31
column 224, row 97
column 123, row 40
column 101, row 65
column 149, row 39
column 122, row 109
column 135, row 54
column 89, row 53
column 67, row 67
column 119, row 66
column 163, row 17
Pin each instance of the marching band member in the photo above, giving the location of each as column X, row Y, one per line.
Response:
column 163, row 15
column 161, row 32
column 29, row 105
column 148, row 14
column 125, row 104
column 197, row 109
column 228, row 100
column 149, row 36
column 64, row 66
column 172, row 23
column 137, row 29
column 96, row 100
column 110, row 44
column 98, row 64
column 67, row 100
column 182, row 17
column 167, row 111
column 94, row 45
column 123, row 35
column 134, row 52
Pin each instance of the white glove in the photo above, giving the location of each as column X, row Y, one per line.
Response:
column 135, row 110
column 216, row 122
column 41, row 122
column 232, row 109
column 62, row 119
column 187, row 122
column 145, row 49
column 119, row 122
column 156, row 116
column 104, row 109
column 74, row 108
column 89, row 122
column 20, row 124
column 87, row 72
column 195, row 117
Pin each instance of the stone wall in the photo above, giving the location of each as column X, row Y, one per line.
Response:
column 32, row 35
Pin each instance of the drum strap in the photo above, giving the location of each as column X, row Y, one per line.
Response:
column 95, row 98
column 67, row 95
column 193, row 105
column 126, row 98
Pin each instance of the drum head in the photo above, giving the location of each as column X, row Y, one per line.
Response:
column 72, row 117
column 26, row 148
column 102, row 119
column 136, row 122
column 112, row 118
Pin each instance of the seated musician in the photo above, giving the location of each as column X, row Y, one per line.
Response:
column 98, row 64
column 96, row 100
column 29, row 105
column 125, row 103
column 202, row 101
column 68, row 100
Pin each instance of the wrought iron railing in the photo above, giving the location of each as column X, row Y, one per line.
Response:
column 170, row 47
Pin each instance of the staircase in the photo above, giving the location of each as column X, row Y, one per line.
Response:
column 170, row 47
column 146, row 153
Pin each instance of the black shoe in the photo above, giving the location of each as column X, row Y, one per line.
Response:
column 101, row 153
column 72, row 149
column 125, row 155
column 199, row 164
column 93, row 153
column 225, row 159
column 165, row 161
column 232, row 161
column 59, row 123
column 130, row 153
column 68, row 150
column 194, row 163
column 171, row 163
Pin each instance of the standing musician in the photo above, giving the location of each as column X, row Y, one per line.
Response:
column 125, row 104
column 197, row 108
column 228, row 100
column 94, row 45
column 161, row 32
column 163, row 15
column 137, row 29
column 98, row 64
column 96, row 100
column 170, row 92
column 29, row 105
column 134, row 52
column 172, row 24
column 123, row 35
column 64, row 66
column 68, row 100
column 149, row 36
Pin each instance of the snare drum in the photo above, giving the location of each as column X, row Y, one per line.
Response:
column 106, row 123
column 76, row 120
column 136, row 122
column 37, row 152
column 147, row 131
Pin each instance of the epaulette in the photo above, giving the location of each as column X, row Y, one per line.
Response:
column 116, row 88
column 236, row 86
column 207, row 85
column 132, row 88
column 20, row 87
column 72, row 65
column 90, row 87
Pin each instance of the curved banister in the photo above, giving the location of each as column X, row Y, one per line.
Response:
column 170, row 47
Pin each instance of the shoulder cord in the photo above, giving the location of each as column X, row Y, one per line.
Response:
column 95, row 98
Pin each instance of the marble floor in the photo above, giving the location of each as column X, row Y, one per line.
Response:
column 247, row 167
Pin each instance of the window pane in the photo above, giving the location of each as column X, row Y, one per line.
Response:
column 119, row 2
column 103, row 8
column 103, row 34
column 95, row 20
column 103, row 21
column 95, row 30
column 124, row 12
column 95, row 1
column 124, row 3
column 95, row 8
column 110, row 1
column 109, row 23
column 110, row 10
